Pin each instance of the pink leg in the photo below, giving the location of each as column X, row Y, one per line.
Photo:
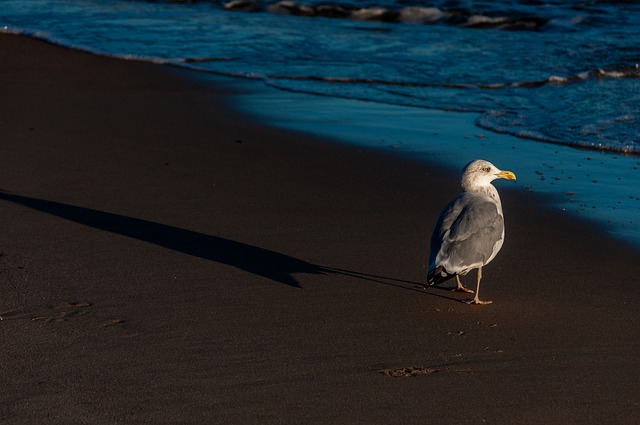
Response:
column 476, row 300
column 461, row 288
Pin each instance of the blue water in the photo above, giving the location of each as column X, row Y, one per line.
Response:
column 558, row 71
column 558, row 75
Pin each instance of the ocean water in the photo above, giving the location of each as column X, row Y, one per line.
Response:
column 555, row 84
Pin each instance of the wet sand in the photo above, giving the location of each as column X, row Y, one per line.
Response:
column 166, row 259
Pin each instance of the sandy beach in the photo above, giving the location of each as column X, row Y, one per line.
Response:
column 168, row 260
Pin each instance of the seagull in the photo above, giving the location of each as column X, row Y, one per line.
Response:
column 470, row 229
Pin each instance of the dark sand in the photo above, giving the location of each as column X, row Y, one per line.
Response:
column 166, row 260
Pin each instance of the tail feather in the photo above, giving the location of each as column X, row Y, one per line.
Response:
column 438, row 276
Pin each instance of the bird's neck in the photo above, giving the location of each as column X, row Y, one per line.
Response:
column 486, row 189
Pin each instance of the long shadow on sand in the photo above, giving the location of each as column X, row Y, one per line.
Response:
column 258, row 261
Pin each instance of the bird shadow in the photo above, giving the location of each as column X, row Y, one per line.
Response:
column 258, row 261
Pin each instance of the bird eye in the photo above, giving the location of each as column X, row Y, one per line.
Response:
column 486, row 169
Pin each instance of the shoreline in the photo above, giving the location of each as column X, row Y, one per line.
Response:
column 590, row 184
column 168, row 259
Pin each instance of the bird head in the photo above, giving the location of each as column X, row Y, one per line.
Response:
column 480, row 173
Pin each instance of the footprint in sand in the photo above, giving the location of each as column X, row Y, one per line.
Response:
column 112, row 322
column 62, row 312
column 406, row 372
column 409, row 372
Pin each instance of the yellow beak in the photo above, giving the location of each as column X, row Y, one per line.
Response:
column 504, row 174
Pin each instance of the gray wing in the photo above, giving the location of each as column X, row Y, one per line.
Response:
column 466, row 233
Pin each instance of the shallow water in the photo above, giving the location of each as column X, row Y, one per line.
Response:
column 553, row 73
column 598, row 186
